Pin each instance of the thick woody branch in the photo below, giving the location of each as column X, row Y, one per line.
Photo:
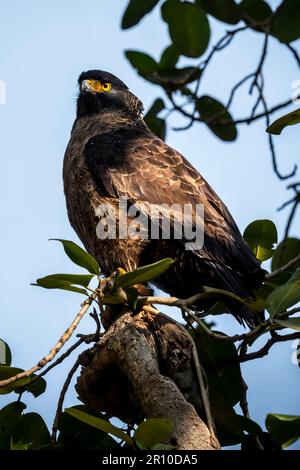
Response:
column 132, row 353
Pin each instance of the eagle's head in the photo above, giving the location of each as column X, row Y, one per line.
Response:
column 101, row 91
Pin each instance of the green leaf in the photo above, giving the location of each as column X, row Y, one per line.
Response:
column 153, row 431
column 30, row 433
column 65, row 282
column 156, row 124
column 188, row 27
column 225, row 10
column 132, row 297
column 9, row 417
column 220, row 361
column 135, row 11
column 143, row 63
column 292, row 323
column 37, row 387
column 257, row 11
column 5, row 373
column 285, row 296
column 5, row 353
column 21, row 385
column 76, row 435
column 143, row 274
column 285, row 252
column 289, row 119
column 230, row 425
column 58, row 284
column 210, row 109
column 169, row 57
column 261, row 235
column 101, row 424
column 286, row 23
column 79, row 256
column 284, row 429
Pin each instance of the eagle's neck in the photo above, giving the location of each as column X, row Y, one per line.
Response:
column 90, row 104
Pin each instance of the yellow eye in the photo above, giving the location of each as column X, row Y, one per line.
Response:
column 106, row 86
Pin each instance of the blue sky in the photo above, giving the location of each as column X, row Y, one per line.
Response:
column 45, row 46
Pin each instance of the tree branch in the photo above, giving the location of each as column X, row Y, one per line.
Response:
column 293, row 263
column 63, row 339
column 131, row 353
column 276, row 338
column 60, row 403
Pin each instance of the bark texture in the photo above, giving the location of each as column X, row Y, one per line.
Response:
column 143, row 366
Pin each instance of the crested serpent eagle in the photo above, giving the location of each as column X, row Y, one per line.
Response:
column 112, row 154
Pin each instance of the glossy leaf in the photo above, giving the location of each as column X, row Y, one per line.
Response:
column 286, row 23
column 66, row 282
column 143, row 274
column 285, row 296
column 220, row 361
column 188, row 27
column 281, row 123
column 169, row 57
column 9, row 417
column 59, row 284
column 257, row 11
column 79, row 256
column 261, row 236
column 284, row 429
column 5, row 373
column 135, row 11
column 210, row 109
column 144, row 64
column 293, row 323
column 101, row 424
column 153, row 431
column 224, row 10
column 76, row 435
column 30, row 433
column 5, row 353
column 156, row 124
column 36, row 388
column 285, row 252
column 230, row 425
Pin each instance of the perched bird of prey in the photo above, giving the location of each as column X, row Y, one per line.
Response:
column 112, row 154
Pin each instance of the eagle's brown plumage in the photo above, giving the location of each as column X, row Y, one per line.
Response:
column 112, row 154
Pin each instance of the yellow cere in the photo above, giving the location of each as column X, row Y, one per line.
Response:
column 99, row 87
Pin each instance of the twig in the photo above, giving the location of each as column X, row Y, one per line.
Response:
column 61, row 401
column 295, row 262
column 60, row 359
column 221, row 44
column 295, row 53
column 63, row 339
column 266, row 348
column 225, row 122
column 244, row 402
column 288, row 313
column 272, row 146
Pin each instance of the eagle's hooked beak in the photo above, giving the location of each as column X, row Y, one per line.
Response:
column 91, row 86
